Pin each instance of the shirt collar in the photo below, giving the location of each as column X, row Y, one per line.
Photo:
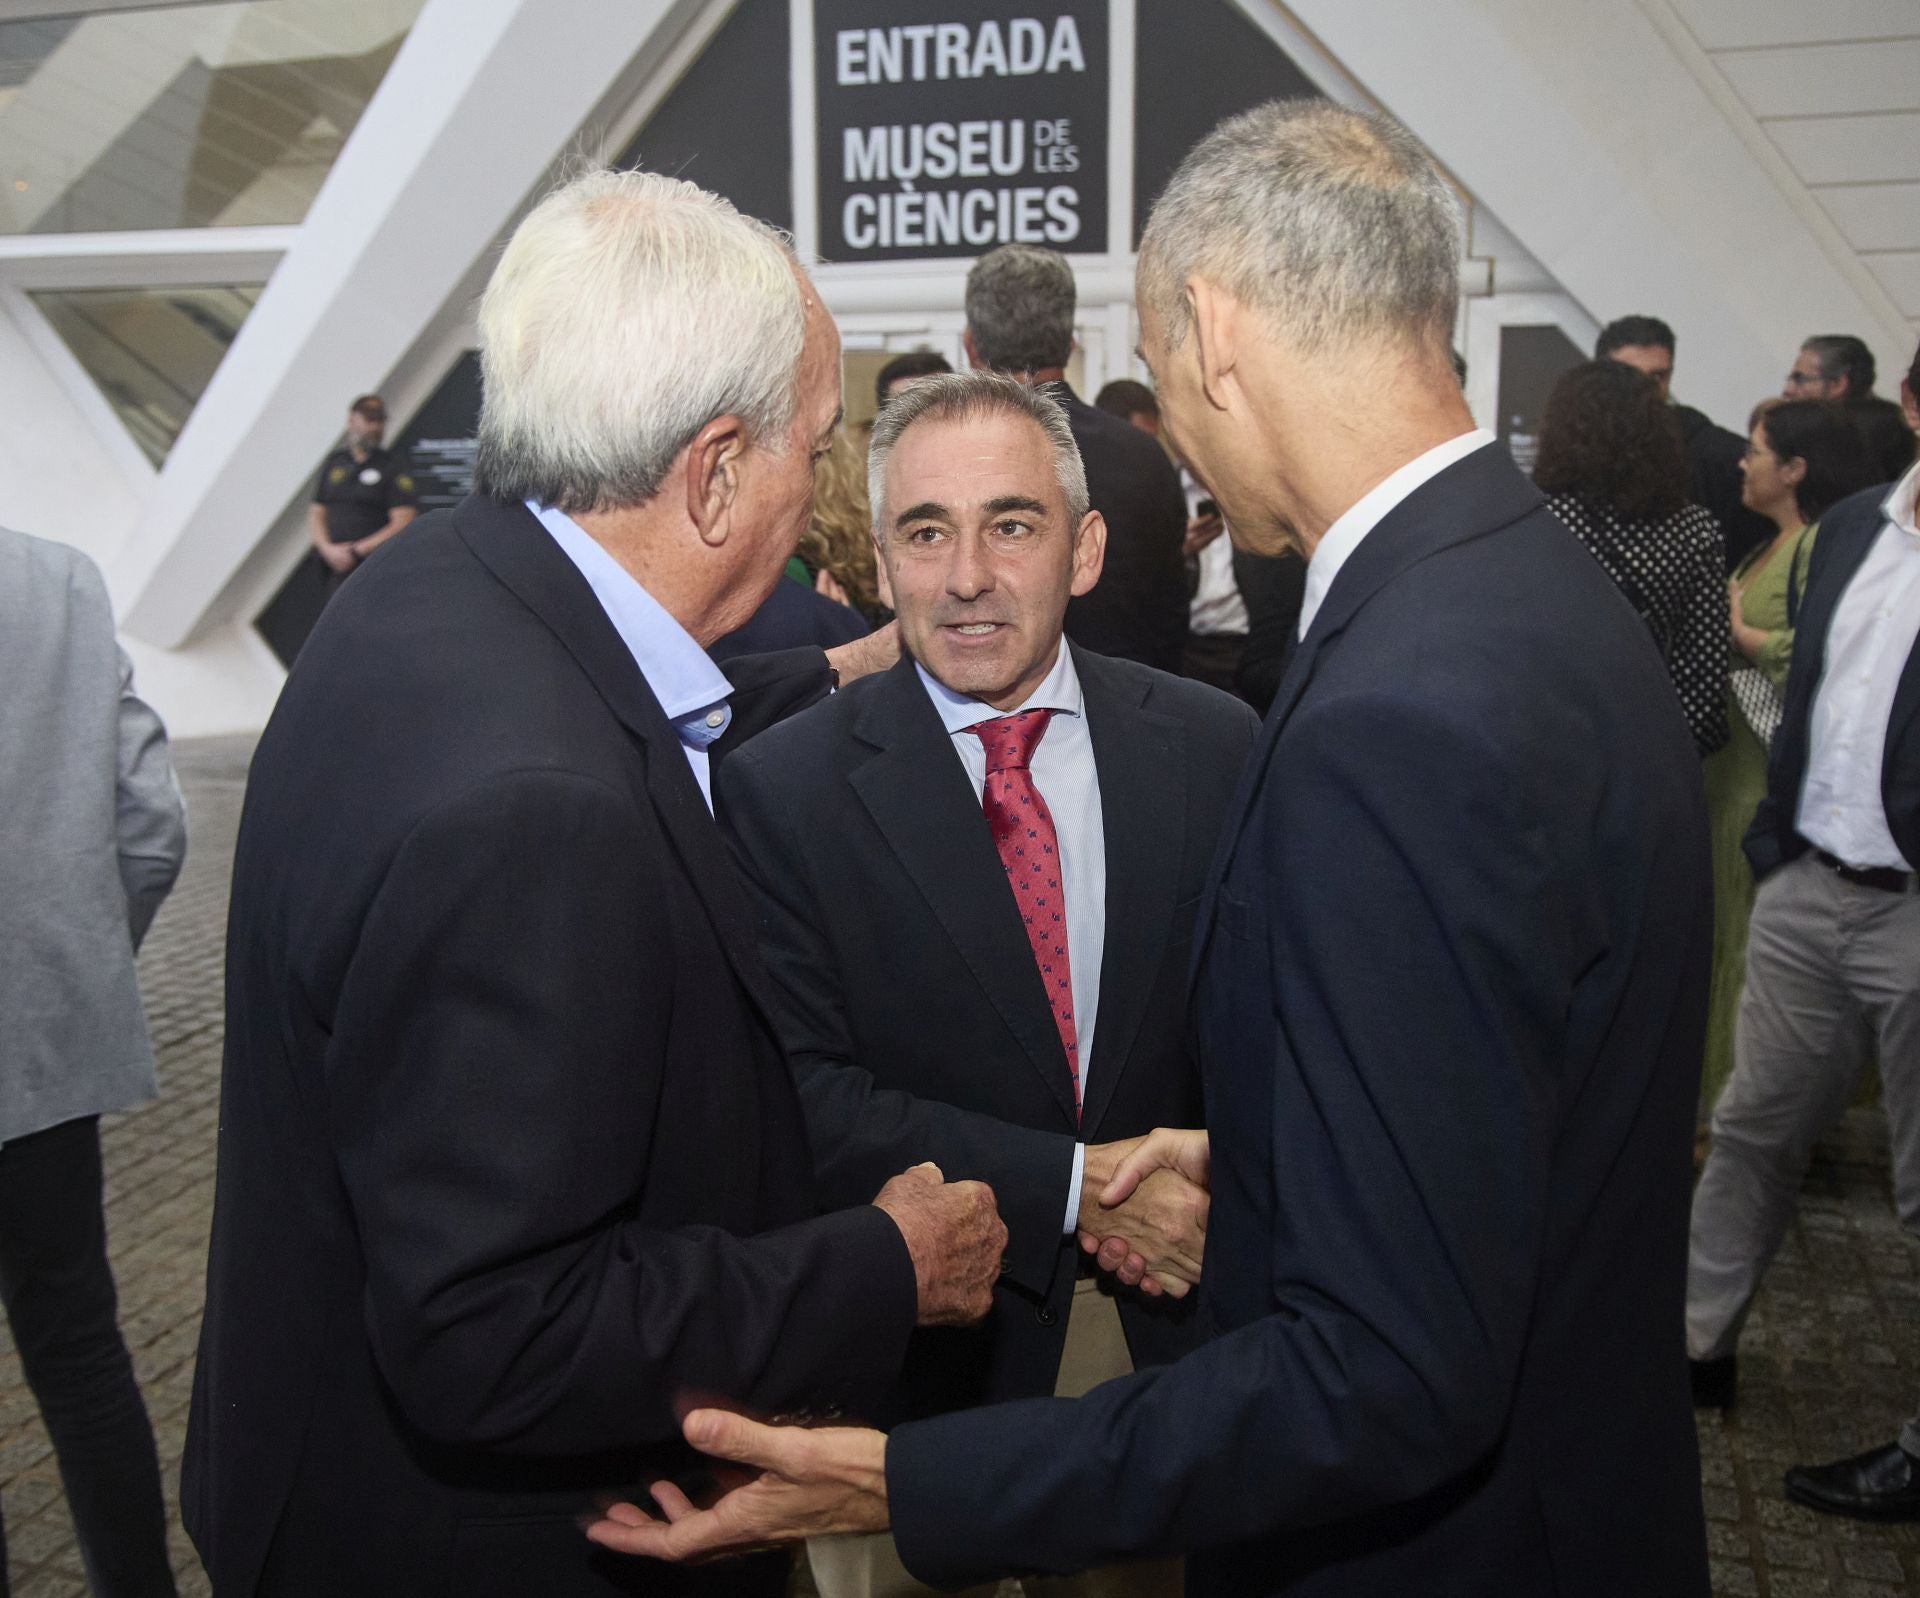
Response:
column 689, row 686
column 1059, row 690
column 1899, row 506
column 1367, row 512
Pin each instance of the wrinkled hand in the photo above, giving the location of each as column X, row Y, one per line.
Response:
column 1143, row 1210
column 864, row 656
column 1201, row 531
column 809, row 1484
column 954, row 1232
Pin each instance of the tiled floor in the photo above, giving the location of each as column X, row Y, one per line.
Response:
column 1831, row 1361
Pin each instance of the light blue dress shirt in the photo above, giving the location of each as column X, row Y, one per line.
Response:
column 692, row 690
column 1064, row 772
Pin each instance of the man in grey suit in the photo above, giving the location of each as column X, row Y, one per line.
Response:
column 95, row 835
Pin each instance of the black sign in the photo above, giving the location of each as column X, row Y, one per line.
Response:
column 948, row 127
column 438, row 442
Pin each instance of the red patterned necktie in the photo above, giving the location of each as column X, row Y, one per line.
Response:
column 1022, row 828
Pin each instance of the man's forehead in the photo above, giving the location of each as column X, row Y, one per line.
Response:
column 972, row 460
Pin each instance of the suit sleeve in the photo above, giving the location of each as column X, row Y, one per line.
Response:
column 497, row 1086
column 769, row 688
column 862, row 1133
column 150, row 814
column 1406, row 1100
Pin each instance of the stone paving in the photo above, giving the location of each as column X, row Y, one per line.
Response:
column 1830, row 1364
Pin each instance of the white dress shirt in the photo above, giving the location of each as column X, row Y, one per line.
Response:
column 691, row 689
column 1873, row 633
column 1216, row 609
column 1367, row 512
column 1064, row 773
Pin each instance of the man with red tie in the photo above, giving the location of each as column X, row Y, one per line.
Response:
column 976, row 877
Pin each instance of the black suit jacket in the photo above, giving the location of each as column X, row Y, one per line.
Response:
column 1138, row 608
column 793, row 616
column 910, row 1003
column 1847, row 532
column 1714, row 480
column 1450, row 1006
column 510, row 1165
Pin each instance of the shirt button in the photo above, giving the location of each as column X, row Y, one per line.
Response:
column 716, row 718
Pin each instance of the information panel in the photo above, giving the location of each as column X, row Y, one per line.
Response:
column 949, row 128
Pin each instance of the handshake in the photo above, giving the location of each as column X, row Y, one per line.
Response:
column 1142, row 1216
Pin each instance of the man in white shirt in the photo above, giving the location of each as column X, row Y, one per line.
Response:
column 1835, row 939
column 976, row 878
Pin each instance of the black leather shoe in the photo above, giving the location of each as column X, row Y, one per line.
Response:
column 1716, row 1382
column 1881, row 1484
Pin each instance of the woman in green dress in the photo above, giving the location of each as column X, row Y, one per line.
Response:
column 1802, row 456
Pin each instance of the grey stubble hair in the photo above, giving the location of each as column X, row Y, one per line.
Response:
column 1333, row 223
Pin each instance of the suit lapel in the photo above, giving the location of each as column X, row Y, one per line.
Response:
column 1476, row 495
column 917, row 792
column 1141, row 759
column 519, row 551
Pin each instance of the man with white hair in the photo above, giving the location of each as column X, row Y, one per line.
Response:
column 511, row 1172
column 1449, row 999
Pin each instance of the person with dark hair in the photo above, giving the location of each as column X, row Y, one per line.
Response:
column 1834, row 844
column 1833, row 366
column 1803, row 455
column 364, row 496
column 1020, row 307
column 905, row 369
column 1713, row 452
column 1886, row 433
column 1613, row 469
column 1131, row 401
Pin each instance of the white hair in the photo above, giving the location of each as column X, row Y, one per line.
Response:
column 1332, row 223
column 628, row 311
column 960, row 397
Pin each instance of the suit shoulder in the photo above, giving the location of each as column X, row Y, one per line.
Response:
column 805, row 741
column 1194, row 704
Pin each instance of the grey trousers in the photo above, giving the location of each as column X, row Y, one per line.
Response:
column 1828, row 962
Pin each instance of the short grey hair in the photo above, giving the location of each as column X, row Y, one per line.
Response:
column 628, row 311
column 1020, row 301
column 963, row 397
column 1332, row 223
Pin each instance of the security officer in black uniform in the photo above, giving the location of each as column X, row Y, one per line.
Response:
column 365, row 494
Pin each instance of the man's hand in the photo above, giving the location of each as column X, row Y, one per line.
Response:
column 339, row 556
column 956, row 1237
column 810, row 1484
column 864, row 656
column 1201, row 531
column 1143, row 1209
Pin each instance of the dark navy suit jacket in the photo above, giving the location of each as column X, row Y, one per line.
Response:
column 511, row 1166
column 1450, row 1004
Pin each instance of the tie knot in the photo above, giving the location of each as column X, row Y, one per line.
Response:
column 1011, row 740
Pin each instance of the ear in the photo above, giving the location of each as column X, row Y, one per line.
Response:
column 971, row 350
column 713, row 477
column 1794, row 470
column 1214, row 318
column 883, row 578
column 1910, row 406
column 1089, row 553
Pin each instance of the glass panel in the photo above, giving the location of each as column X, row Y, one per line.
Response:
column 151, row 351
column 185, row 116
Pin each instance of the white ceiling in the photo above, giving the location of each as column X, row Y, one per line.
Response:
column 1835, row 88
